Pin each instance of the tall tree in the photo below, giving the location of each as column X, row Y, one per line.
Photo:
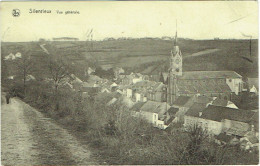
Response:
column 59, row 74
column 24, row 66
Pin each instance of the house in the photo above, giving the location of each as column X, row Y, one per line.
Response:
column 68, row 85
column 90, row 70
column 135, row 110
column 154, row 91
column 11, row 77
column 253, row 90
column 87, row 88
column 253, row 86
column 183, row 103
column 105, row 90
column 74, row 79
column 157, row 92
column 18, row 55
column 113, row 86
column 123, row 88
column 217, row 119
column 153, row 112
column 129, row 93
column 30, row 77
column 172, row 114
column 131, row 78
column 140, row 96
column 11, row 56
column 118, row 71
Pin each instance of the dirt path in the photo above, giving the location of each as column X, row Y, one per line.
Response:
column 28, row 138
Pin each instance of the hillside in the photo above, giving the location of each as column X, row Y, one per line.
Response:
column 150, row 56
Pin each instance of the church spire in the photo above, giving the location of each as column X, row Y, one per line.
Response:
column 175, row 40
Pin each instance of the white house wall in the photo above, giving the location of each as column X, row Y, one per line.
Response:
column 129, row 93
column 213, row 127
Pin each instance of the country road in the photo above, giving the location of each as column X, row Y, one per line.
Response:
column 29, row 138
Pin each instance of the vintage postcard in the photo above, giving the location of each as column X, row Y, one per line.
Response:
column 129, row 83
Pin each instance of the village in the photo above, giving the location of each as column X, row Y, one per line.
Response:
column 176, row 97
column 223, row 104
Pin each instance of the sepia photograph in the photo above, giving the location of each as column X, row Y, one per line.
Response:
column 129, row 83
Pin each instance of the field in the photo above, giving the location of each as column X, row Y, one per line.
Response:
column 151, row 56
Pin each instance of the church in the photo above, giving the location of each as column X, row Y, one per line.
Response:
column 221, row 84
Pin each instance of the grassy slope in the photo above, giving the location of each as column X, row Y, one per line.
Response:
column 151, row 56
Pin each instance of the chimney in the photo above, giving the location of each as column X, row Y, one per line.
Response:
column 200, row 113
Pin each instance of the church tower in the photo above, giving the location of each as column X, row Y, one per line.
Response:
column 175, row 71
column 176, row 59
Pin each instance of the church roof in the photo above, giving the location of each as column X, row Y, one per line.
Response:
column 203, row 88
column 209, row 74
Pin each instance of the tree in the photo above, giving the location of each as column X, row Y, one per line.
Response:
column 24, row 67
column 59, row 76
column 200, row 150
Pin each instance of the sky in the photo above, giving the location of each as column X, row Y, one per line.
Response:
column 136, row 19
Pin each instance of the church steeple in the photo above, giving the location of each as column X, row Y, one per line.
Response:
column 176, row 58
column 175, row 71
column 175, row 40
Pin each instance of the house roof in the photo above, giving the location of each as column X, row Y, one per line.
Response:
column 209, row 74
column 218, row 113
column 253, row 139
column 220, row 102
column 195, row 109
column 182, row 100
column 148, row 85
column 155, row 107
column 137, row 106
column 203, row 99
column 172, row 111
column 169, row 121
column 112, row 101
